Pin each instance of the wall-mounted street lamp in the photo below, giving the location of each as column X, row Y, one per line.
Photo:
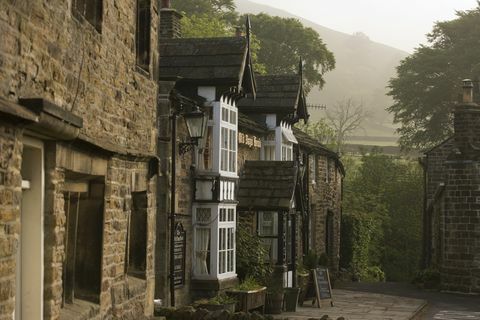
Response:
column 195, row 121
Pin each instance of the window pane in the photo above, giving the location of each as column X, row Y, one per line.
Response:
column 233, row 117
column 230, row 261
column 224, row 160
column 225, row 114
column 231, row 214
column 221, row 262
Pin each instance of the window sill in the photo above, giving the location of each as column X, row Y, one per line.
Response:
column 135, row 286
column 142, row 71
column 78, row 310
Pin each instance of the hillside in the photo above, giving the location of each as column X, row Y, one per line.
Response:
column 363, row 68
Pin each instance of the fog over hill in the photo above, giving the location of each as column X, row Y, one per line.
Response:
column 363, row 69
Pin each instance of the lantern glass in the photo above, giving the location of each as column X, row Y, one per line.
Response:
column 195, row 121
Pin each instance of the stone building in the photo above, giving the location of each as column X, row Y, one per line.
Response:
column 212, row 73
column 452, row 211
column 77, row 158
column 292, row 214
column 247, row 129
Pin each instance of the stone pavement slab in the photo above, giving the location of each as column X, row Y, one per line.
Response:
column 354, row 305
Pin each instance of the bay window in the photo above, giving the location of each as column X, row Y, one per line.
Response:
column 214, row 241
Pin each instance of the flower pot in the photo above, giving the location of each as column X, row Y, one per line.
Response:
column 291, row 299
column 302, row 281
column 273, row 303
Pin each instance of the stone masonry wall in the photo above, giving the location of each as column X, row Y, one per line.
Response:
column 10, row 199
column 325, row 196
column 460, row 267
column 122, row 296
column 46, row 52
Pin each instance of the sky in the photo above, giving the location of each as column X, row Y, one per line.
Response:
column 402, row 24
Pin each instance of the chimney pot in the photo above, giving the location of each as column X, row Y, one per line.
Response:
column 467, row 91
column 238, row 31
column 165, row 4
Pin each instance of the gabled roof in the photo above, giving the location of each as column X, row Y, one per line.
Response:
column 312, row 144
column 246, row 123
column 267, row 185
column 224, row 61
column 282, row 94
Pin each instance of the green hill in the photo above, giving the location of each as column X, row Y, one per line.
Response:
column 363, row 68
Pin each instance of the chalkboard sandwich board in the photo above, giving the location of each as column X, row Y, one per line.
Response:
column 319, row 288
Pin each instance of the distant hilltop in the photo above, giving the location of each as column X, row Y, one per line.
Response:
column 363, row 69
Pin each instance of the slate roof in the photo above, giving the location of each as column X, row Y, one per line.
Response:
column 248, row 124
column 267, row 185
column 277, row 94
column 310, row 143
column 223, row 61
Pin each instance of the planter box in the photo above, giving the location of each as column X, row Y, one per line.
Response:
column 249, row 300
column 214, row 307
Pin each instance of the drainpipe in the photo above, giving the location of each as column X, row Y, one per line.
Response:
column 172, row 206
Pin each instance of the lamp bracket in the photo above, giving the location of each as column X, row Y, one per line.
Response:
column 184, row 147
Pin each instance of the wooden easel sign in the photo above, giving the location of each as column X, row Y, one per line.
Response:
column 319, row 288
column 323, row 288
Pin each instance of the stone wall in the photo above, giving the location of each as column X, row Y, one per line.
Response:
column 10, row 199
column 325, row 197
column 460, row 268
column 435, row 160
column 48, row 53
column 122, row 296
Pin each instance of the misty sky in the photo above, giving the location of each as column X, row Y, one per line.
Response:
column 398, row 23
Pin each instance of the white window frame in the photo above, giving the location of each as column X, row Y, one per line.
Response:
column 215, row 226
column 229, row 107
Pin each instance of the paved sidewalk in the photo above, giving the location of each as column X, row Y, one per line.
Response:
column 441, row 305
column 354, row 305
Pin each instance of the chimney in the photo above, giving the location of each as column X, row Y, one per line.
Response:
column 467, row 91
column 238, row 31
column 466, row 122
column 170, row 27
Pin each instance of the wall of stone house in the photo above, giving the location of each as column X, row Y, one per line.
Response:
column 122, row 296
column 47, row 53
column 435, row 161
column 324, row 197
column 10, row 198
column 460, row 267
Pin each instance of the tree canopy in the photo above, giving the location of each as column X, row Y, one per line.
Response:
column 283, row 41
column 381, row 224
column 428, row 82
column 277, row 43
column 219, row 9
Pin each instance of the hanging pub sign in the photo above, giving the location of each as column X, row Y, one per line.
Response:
column 179, row 249
column 319, row 289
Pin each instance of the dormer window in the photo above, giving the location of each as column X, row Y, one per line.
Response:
column 278, row 145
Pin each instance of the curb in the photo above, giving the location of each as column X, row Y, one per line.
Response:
column 418, row 314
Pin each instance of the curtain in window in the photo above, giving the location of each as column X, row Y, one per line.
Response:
column 202, row 244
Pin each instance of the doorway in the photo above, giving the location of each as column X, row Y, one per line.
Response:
column 29, row 269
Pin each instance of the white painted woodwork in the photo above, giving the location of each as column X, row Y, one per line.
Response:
column 30, row 268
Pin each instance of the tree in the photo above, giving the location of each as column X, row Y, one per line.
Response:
column 284, row 41
column 215, row 9
column 320, row 130
column 346, row 117
column 204, row 26
column 381, row 224
column 428, row 81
